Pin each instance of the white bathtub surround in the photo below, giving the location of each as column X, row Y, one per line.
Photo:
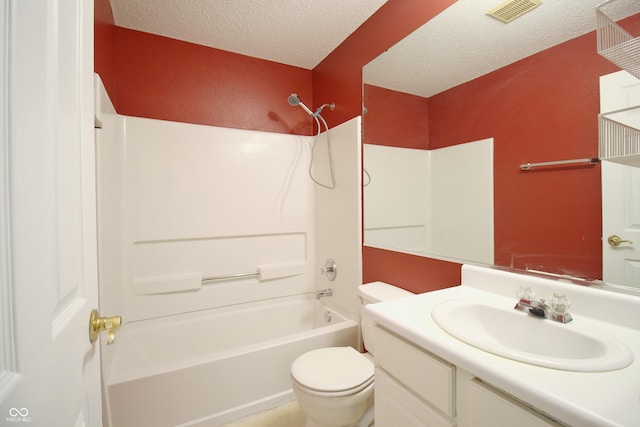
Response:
column 411, row 180
column 399, row 178
column 179, row 202
column 196, row 202
column 576, row 398
column 196, row 220
column 338, row 215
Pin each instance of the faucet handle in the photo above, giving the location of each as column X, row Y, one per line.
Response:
column 560, row 303
column 526, row 293
column 330, row 269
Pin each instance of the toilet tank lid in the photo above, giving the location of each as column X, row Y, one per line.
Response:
column 381, row 291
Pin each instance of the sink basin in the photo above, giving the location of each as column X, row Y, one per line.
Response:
column 575, row 346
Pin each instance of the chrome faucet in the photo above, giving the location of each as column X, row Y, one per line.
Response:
column 324, row 293
column 556, row 311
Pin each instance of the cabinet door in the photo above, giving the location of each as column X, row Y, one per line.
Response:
column 425, row 375
column 484, row 406
column 397, row 406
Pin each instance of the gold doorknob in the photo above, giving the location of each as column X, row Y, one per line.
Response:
column 616, row 240
column 98, row 324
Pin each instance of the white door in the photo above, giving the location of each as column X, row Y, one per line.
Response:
column 49, row 371
column 621, row 190
column 621, row 218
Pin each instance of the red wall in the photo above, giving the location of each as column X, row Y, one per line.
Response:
column 338, row 78
column 156, row 77
column 151, row 76
column 528, row 108
column 413, row 273
column 543, row 108
column 104, row 43
column 173, row 80
column 395, row 119
column 162, row 78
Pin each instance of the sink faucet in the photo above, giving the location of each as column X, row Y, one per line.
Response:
column 324, row 293
column 556, row 311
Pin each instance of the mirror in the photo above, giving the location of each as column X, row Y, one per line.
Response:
column 526, row 91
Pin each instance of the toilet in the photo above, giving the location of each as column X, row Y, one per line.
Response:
column 334, row 385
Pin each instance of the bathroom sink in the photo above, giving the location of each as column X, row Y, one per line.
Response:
column 501, row 330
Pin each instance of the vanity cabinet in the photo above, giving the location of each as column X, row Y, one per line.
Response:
column 416, row 388
column 396, row 405
column 413, row 388
column 480, row 404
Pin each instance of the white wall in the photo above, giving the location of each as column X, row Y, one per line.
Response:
column 407, row 207
column 203, row 201
column 338, row 225
column 463, row 208
column 396, row 197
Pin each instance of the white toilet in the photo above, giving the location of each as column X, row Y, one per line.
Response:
column 334, row 385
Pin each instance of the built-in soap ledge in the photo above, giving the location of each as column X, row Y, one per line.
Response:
column 190, row 282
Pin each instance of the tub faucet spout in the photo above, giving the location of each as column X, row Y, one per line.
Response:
column 324, row 293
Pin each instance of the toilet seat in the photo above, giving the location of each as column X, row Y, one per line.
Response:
column 333, row 371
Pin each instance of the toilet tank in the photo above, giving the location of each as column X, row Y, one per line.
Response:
column 371, row 293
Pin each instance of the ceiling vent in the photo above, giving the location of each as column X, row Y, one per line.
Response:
column 511, row 9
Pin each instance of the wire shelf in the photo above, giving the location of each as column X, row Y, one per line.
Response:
column 615, row 43
column 618, row 142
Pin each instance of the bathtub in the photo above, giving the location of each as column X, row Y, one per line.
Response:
column 211, row 367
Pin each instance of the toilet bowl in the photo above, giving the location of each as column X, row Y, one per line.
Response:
column 334, row 385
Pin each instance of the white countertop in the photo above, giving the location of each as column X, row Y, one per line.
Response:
column 582, row 399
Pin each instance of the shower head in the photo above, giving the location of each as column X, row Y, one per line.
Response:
column 294, row 101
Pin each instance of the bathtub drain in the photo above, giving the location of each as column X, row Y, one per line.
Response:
column 327, row 316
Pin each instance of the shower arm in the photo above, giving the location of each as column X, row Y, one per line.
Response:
column 331, row 106
column 294, row 101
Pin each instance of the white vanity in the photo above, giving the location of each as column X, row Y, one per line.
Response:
column 582, row 373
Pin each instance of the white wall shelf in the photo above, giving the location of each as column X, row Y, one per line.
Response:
column 614, row 42
column 618, row 141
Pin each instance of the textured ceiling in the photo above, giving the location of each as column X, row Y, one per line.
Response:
column 463, row 43
column 458, row 45
column 294, row 32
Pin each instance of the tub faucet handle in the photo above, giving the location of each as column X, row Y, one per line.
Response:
column 330, row 269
